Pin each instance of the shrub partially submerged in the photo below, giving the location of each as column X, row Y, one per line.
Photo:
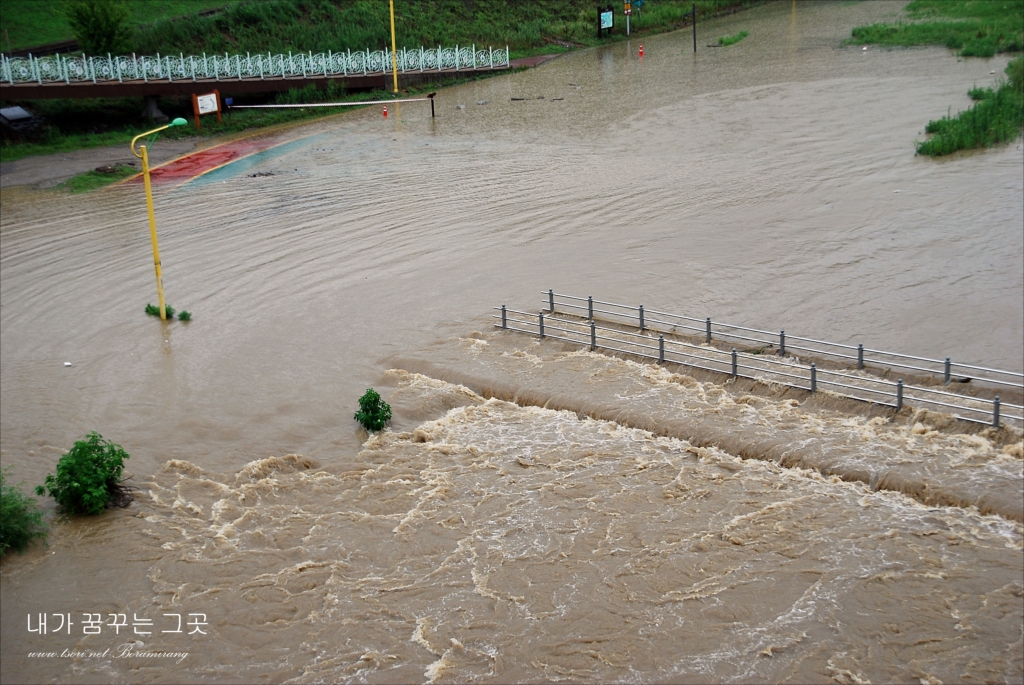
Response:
column 154, row 310
column 21, row 522
column 88, row 477
column 374, row 413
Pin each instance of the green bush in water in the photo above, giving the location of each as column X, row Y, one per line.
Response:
column 88, row 477
column 374, row 413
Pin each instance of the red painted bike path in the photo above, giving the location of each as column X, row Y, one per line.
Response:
column 198, row 163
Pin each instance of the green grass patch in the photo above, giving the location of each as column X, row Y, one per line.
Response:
column 733, row 39
column 337, row 25
column 27, row 23
column 184, row 315
column 88, row 477
column 996, row 117
column 21, row 521
column 975, row 28
column 91, row 180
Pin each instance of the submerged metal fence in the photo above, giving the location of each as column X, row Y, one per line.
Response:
column 83, row 69
column 575, row 320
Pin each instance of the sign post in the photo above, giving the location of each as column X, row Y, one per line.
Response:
column 605, row 20
column 627, row 10
column 206, row 104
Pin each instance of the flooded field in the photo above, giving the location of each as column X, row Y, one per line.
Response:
column 535, row 513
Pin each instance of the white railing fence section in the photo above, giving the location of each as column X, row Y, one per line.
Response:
column 84, row 69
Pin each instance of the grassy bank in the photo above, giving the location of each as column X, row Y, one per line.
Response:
column 997, row 117
column 170, row 26
column 975, row 28
column 322, row 25
column 26, row 23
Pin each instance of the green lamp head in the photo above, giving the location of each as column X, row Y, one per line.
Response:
column 178, row 122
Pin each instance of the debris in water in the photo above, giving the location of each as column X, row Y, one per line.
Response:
column 482, row 102
column 260, row 174
column 556, row 99
column 517, row 99
column 460, row 107
column 895, row 191
column 67, row 363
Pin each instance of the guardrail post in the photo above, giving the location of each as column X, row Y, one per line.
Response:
column 593, row 337
column 504, row 324
column 899, row 394
column 782, row 343
column 995, row 412
column 945, row 374
column 707, row 328
column 814, row 378
column 641, row 318
column 734, row 364
column 540, row 318
column 661, row 349
column 590, row 307
column 551, row 301
column 860, row 355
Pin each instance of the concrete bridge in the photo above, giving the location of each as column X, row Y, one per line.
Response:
column 64, row 76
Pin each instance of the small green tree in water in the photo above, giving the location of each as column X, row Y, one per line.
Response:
column 374, row 413
column 88, row 477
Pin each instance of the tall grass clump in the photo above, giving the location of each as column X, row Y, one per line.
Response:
column 733, row 39
column 88, row 477
column 997, row 117
column 21, row 521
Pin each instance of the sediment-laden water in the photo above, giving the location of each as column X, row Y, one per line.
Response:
column 675, row 534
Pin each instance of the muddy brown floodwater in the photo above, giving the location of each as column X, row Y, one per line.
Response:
column 597, row 519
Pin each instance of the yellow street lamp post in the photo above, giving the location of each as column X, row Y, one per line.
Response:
column 394, row 47
column 142, row 154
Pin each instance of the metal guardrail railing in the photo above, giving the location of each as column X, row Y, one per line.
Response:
column 776, row 367
column 121, row 68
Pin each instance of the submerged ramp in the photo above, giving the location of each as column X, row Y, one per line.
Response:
column 918, row 453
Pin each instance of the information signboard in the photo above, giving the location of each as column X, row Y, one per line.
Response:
column 207, row 103
column 607, row 18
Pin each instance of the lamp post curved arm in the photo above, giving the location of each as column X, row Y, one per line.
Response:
column 177, row 122
column 143, row 154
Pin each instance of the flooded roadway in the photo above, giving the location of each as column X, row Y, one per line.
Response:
column 754, row 183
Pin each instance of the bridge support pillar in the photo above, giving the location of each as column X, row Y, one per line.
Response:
column 152, row 110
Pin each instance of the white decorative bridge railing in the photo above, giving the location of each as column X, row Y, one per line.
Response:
column 167, row 68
